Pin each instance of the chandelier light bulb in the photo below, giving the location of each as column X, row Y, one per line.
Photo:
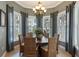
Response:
column 44, row 10
column 33, row 9
column 37, row 7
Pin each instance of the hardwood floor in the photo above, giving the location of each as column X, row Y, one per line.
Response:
column 15, row 53
column 63, row 53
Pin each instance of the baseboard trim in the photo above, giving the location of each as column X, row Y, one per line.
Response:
column 62, row 43
column 62, row 47
column 74, row 50
column 4, row 54
column 16, row 43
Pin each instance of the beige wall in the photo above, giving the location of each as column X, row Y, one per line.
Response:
column 59, row 8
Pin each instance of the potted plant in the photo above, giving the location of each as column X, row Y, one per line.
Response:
column 39, row 33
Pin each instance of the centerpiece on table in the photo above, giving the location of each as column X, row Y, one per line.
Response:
column 39, row 33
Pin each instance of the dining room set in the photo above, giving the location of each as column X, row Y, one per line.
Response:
column 39, row 46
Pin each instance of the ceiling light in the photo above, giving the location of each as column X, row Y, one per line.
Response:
column 39, row 9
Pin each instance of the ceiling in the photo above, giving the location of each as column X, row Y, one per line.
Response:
column 31, row 4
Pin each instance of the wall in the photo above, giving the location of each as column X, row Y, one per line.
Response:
column 2, row 40
column 2, row 34
column 17, row 8
column 58, row 8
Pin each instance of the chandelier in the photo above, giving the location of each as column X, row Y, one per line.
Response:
column 39, row 9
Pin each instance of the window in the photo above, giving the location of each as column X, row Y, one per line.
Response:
column 17, row 25
column 46, row 24
column 31, row 23
column 61, row 25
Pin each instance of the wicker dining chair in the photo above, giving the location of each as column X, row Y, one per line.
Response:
column 30, row 48
column 50, row 51
column 57, row 36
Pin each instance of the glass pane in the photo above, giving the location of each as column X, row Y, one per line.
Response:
column 31, row 24
column 46, row 24
column 61, row 25
column 17, row 25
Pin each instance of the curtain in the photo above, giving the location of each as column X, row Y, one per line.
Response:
column 24, row 17
column 54, row 22
column 39, row 21
column 70, row 11
column 67, row 28
column 10, row 28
